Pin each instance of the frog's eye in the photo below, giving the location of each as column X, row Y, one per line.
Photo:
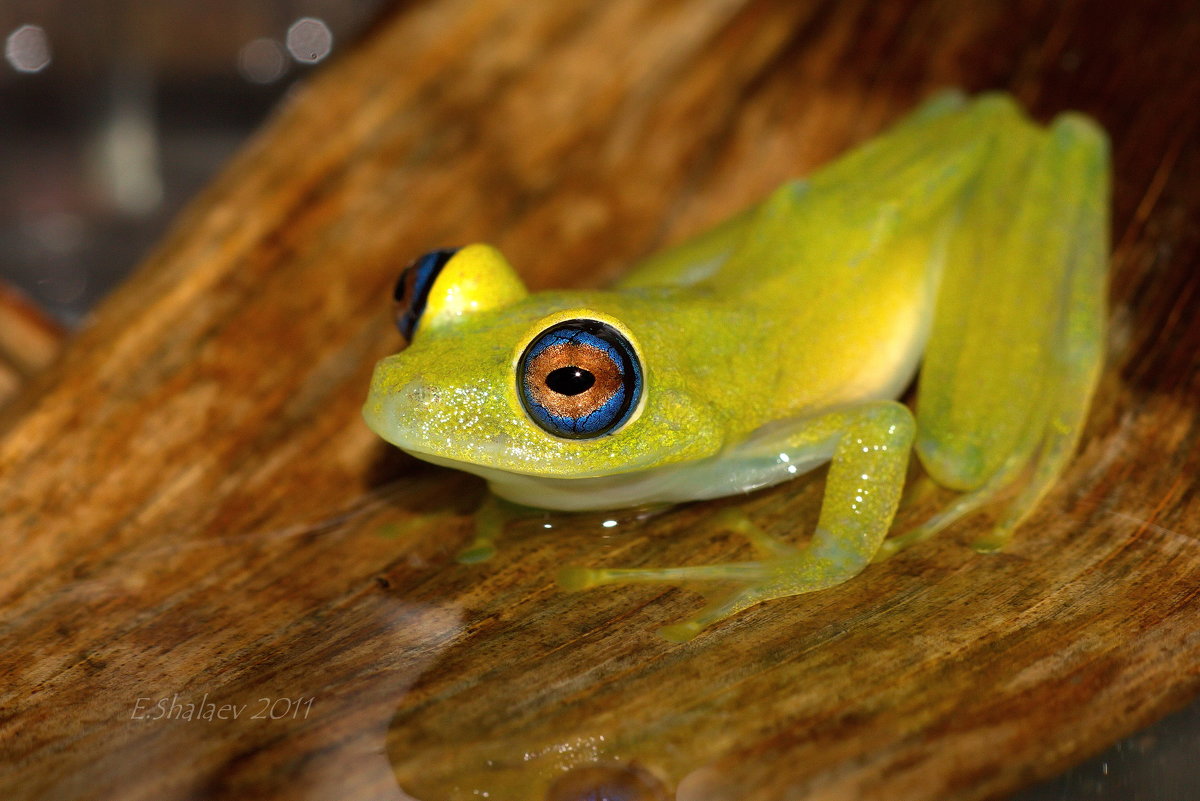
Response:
column 412, row 288
column 579, row 379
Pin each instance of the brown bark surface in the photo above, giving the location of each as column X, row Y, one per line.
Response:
column 192, row 510
column 29, row 341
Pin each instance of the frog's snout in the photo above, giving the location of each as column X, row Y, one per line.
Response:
column 401, row 408
column 391, row 402
column 456, row 422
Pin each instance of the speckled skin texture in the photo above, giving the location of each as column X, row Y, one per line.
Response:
column 967, row 235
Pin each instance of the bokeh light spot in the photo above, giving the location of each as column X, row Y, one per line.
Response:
column 309, row 40
column 28, row 49
column 262, row 61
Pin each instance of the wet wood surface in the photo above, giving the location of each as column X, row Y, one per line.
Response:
column 218, row 584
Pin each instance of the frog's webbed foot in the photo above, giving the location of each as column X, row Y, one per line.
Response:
column 771, row 549
column 868, row 449
column 783, row 570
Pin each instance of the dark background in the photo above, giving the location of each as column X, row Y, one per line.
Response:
column 139, row 105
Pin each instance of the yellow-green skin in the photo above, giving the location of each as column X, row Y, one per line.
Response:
column 967, row 239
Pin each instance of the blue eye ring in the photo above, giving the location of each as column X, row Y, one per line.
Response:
column 412, row 288
column 579, row 379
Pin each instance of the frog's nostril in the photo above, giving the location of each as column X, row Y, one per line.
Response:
column 418, row 393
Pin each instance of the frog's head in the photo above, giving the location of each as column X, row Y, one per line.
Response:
column 562, row 384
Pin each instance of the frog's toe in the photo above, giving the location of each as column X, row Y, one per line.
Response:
column 752, row 582
column 580, row 578
column 476, row 552
column 993, row 542
column 681, row 632
column 739, row 522
column 574, row 579
column 723, row 607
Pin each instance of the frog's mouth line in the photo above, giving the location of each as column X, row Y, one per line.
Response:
column 499, row 463
column 484, row 459
column 490, row 465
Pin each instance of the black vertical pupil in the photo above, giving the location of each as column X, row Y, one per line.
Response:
column 570, row 380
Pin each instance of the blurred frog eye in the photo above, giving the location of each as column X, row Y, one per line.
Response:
column 412, row 288
column 579, row 379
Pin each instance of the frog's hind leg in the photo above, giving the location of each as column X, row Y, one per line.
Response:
column 1077, row 351
column 1017, row 339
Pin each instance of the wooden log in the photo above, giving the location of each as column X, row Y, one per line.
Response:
column 194, row 514
column 29, row 341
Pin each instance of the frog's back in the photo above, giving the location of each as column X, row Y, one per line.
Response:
column 838, row 272
column 841, row 271
column 812, row 232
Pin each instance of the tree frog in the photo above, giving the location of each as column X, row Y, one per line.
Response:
column 967, row 240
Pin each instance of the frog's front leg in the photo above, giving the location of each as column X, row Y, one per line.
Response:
column 868, row 447
column 490, row 521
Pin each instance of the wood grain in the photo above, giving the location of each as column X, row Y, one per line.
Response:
column 192, row 511
column 29, row 341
